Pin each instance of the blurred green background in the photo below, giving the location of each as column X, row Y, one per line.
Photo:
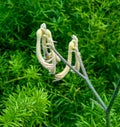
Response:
column 69, row 102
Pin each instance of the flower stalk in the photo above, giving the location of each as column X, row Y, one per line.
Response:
column 52, row 57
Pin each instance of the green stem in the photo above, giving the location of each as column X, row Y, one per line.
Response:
column 102, row 104
column 111, row 104
column 13, row 80
column 108, row 108
column 85, row 77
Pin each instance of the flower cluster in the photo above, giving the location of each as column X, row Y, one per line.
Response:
column 47, row 56
column 50, row 59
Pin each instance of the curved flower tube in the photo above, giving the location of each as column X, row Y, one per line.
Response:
column 47, row 38
column 46, row 35
column 73, row 46
column 51, row 67
column 77, row 53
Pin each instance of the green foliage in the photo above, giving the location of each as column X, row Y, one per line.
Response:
column 96, row 23
column 26, row 107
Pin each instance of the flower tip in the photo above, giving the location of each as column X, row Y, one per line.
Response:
column 43, row 25
column 74, row 37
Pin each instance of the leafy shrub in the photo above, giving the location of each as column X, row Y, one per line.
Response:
column 95, row 22
column 27, row 107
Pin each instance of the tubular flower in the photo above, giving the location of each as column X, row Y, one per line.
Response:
column 73, row 47
column 47, row 39
column 46, row 35
column 77, row 53
column 49, row 59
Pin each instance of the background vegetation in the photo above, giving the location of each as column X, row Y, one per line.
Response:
column 28, row 97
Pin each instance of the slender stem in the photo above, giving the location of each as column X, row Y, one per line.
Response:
column 84, row 77
column 114, row 95
column 82, row 66
column 111, row 104
column 13, row 80
column 90, row 85
column 107, row 118
column 108, row 108
column 102, row 104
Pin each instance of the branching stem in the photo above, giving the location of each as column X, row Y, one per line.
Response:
column 108, row 108
column 84, row 77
